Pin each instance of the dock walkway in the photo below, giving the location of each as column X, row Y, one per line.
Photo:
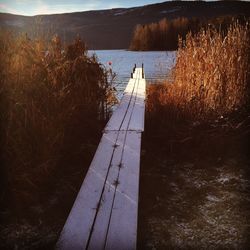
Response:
column 104, row 215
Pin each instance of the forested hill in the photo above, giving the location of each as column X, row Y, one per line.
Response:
column 113, row 28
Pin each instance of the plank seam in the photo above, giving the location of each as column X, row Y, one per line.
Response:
column 126, row 133
column 133, row 103
column 103, row 188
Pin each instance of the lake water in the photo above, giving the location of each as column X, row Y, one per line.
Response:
column 157, row 64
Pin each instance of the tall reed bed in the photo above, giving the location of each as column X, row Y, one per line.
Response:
column 199, row 123
column 53, row 99
column 211, row 77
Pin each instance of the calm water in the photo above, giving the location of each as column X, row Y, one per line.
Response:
column 157, row 64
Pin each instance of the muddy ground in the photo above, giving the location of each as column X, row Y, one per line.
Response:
column 195, row 194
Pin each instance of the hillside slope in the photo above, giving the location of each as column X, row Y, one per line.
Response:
column 112, row 29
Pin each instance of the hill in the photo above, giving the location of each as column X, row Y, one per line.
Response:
column 113, row 28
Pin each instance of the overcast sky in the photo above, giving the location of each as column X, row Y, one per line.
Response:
column 35, row 7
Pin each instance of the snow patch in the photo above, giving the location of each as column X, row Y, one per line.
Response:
column 123, row 12
column 169, row 11
column 213, row 198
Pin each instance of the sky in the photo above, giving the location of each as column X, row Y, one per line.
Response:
column 36, row 7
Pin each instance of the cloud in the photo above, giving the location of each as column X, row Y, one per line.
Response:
column 7, row 9
column 31, row 7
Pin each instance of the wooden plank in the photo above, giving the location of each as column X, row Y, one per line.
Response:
column 129, row 173
column 123, row 232
column 123, row 223
column 98, row 237
column 127, row 118
column 121, row 111
column 78, row 226
column 122, row 115
column 137, row 119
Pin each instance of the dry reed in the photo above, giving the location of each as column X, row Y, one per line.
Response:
column 53, row 99
column 211, row 77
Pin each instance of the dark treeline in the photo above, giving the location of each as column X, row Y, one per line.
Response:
column 163, row 35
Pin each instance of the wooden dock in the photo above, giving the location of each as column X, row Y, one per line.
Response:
column 104, row 215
